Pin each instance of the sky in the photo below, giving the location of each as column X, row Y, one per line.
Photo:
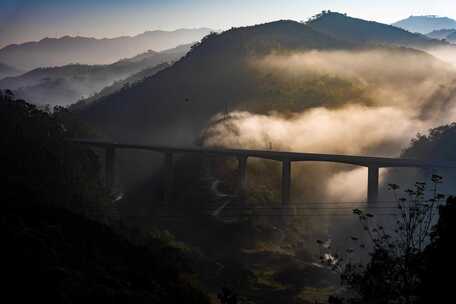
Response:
column 29, row 20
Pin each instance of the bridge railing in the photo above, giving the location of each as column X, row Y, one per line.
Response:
column 286, row 158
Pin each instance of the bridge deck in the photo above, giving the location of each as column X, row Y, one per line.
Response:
column 365, row 161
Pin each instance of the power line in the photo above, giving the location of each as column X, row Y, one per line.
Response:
column 297, row 208
column 278, row 215
column 366, row 204
column 343, row 213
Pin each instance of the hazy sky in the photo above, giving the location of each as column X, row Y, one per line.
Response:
column 24, row 20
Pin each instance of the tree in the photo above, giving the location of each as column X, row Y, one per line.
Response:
column 38, row 164
column 394, row 273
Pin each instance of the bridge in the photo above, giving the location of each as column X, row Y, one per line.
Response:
column 286, row 158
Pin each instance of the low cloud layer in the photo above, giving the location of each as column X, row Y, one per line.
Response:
column 408, row 92
column 353, row 129
column 446, row 54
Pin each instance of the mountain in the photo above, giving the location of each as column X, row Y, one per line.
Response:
column 7, row 71
column 83, row 50
column 441, row 34
column 362, row 31
column 223, row 73
column 425, row 24
column 67, row 84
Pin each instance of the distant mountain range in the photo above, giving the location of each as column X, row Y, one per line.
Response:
column 426, row 24
column 7, row 71
column 448, row 35
column 219, row 74
column 51, row 52
column 67, row 84
column 452, row 37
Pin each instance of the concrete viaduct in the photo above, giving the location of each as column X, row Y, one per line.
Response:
column 286, row 158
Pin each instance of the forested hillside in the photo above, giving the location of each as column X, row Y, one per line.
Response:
column 64, row 245
column 216, row 74
column 239, row 70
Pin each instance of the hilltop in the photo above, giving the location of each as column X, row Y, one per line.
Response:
column 357, row 30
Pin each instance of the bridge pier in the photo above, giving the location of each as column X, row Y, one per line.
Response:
column 372, row 184
column 168, row 177
column 242, row 181
column 110, row 155
column 286, row 181
column 207, row 163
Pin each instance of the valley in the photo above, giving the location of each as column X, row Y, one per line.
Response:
column 272, row 161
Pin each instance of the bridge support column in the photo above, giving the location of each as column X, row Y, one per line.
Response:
column 110, row 156
column 286, row 181
column 207, row 163
column 168, row 177
column 372, row 184
column 242, row 181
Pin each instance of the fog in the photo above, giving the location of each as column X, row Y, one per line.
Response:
column 407, row 92
column 447, row 53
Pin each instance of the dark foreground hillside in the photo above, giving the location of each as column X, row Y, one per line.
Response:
column 438, row 143
column 61, row 257
column 57, row 246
